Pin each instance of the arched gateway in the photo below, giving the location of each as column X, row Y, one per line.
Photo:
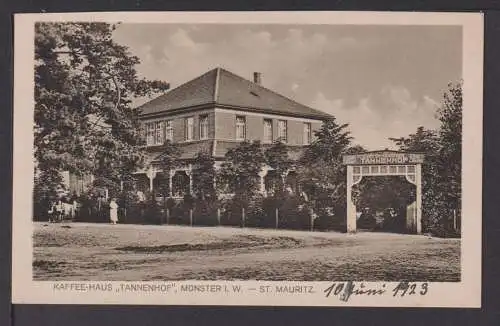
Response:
column 386, row 163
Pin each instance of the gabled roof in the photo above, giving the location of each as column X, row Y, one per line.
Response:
column 219, row 87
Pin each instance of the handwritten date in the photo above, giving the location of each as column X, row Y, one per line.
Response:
column 345, row 290
column 407, row 288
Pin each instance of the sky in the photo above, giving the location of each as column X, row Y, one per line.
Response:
column 385, row 81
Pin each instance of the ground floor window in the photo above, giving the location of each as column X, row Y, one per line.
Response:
column 272, row 182
column 141, row 183
column 161, row 184
column 292, row 183
column 180, row 184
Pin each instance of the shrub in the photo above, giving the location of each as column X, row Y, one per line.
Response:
column 128, row 209
column 292, row 212
column 292, row 215
column 179, row 213
column 231, row 212
column 153, row 213
column 328, row 220
column 40, row 209
column 442, row 226
column 205, row 212
column 255, row 215
column 269, row 206
column 92, row 209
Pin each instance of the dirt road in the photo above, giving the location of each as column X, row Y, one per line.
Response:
column 80, row 251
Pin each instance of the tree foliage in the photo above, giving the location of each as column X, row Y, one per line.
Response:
column 331, row 141
column 168, row 160
column 277, row 158
column 322, row 173
column 240, row 171
column 441, row 171
column 84, row 86
column 450, row 153
column 426, row 141
column 204, row 176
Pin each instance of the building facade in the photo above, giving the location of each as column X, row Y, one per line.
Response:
column 214, row 113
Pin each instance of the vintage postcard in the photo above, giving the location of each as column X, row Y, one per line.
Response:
column 248, row 158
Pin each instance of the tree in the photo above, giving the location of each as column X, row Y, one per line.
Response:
column 240, row 171
column 204, row 176
column 277, row 158
column 168, row 161
column 425, row 141
column 441, row 171
column 84, row 86
column 323, row 174
column 332, row 140
column 239, row 174
column 450, row 154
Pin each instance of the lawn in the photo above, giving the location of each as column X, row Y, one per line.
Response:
column 81, row 251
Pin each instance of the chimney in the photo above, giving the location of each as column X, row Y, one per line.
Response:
column 257, row 78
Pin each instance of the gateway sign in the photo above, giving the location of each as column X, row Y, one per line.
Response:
column 384, row 158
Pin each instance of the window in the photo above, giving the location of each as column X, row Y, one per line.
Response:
column 189, row 128
column 158, row 132
column 203, row 126
column 150, row 134
column 307, row 133
column 180, row 184
column 169, row 130
column 154, row 133
column 268, row 131
column 282, row 132
column 240, row 128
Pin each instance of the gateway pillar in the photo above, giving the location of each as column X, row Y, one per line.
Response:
column 351, row 208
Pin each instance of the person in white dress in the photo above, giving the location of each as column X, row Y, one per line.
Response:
column 113, row 211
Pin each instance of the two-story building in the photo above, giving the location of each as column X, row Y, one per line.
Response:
column 213, row 113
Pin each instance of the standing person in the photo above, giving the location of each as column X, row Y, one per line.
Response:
column 113, row 211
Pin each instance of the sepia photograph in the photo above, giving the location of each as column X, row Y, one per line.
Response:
column 168, row 151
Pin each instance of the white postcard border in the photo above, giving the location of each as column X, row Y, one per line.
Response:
column 466, row 293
